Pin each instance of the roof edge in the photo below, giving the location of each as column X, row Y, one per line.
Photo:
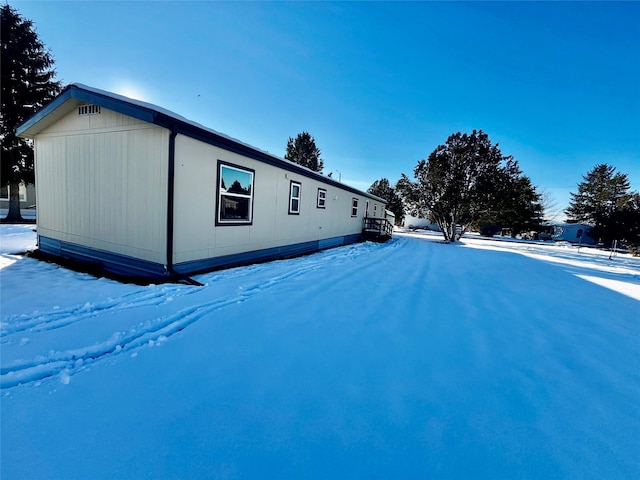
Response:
column 165, row 118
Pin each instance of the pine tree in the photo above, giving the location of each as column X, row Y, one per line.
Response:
column 604, row 201
column 27, row 83
column 303, row 151
column 515, row 204
column 383, row 189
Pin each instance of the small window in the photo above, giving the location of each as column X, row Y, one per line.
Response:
column 235, row 195
column 375, row 209
column 354, row 207
column 322, row 198
column 89, row 110
column 4, row 192
column 366, row 209
column 294, row 198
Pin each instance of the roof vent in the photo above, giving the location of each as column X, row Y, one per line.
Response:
column 89, row 110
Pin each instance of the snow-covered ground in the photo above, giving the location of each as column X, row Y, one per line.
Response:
column 411, row 359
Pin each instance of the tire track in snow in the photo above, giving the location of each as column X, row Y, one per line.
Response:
column 52, row 320
column 67, row 362
column 44, row 321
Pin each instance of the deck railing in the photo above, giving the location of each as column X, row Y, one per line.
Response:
column 377, row 228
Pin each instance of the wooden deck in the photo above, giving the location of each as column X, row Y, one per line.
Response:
column 377, row 229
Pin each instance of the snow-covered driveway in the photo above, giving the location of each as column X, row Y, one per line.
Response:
column 403, row 360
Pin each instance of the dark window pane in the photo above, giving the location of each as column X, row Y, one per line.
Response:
column 234, row 208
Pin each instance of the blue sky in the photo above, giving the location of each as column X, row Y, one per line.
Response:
column 378, row 84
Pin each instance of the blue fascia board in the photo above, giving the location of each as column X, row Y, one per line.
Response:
column 78, row 93
column 110, row 103
column 163, row 118
column 43, row 112
column 244, row 150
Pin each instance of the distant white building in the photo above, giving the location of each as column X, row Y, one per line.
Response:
column 417, row 222
column 27, row 201
column 573, row 233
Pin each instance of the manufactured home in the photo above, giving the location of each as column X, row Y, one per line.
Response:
column 572, row 232
column 138, row 190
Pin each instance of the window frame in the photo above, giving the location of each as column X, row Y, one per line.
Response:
column 321, row 202
column 219, row 194
column 293, row 211
column 354, row 207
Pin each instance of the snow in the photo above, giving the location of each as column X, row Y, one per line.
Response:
column 485, row 359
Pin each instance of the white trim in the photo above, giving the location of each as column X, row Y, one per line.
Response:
column 294, row 200
column 224, row 193
column 321, row 201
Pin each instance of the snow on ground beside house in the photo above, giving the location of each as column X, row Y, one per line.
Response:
column 485, row 359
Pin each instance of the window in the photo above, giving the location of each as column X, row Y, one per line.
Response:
column 375, row 209
column 235, row 195
column 322, row 198
column 294, row 198
column 354, row 207
column 366, row 209
column 4, row 192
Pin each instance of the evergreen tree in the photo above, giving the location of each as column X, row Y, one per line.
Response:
column 383, row 189
column 456, row 185
column 27, row 83
column 624, row 223
column 303, row 151
column 604, row 201
column 515, row 204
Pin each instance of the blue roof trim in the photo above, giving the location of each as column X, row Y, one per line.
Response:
column 75, row 92
column 110, row 103
column 43, row 112
column 242, row 149
column 164, row 118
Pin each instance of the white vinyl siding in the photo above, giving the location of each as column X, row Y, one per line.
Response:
column 107, row 189
column 196, row 235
